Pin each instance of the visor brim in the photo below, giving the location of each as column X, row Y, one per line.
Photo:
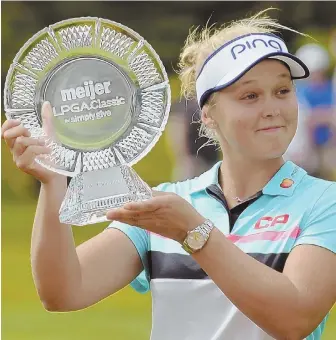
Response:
column 297, row 68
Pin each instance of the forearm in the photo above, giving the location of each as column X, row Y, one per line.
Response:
column 55, row 265
column 264, row 295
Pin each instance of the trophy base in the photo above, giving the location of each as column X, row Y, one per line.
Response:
column 91, row 194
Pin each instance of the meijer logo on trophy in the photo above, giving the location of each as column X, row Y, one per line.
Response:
column 87, row 90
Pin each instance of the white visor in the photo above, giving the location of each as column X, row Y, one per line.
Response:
column 232, row 60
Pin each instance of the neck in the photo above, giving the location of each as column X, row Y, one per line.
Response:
column 242, row 178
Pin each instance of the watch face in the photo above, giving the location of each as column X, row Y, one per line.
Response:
column 196, row 240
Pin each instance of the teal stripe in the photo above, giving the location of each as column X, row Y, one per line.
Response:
column 317, row 334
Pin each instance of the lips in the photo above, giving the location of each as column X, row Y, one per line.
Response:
column 270, row 128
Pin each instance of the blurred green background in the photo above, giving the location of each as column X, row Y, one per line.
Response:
column 126, row 315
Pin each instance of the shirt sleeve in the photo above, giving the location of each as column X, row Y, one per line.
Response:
column 140, row 239
column 320, row 228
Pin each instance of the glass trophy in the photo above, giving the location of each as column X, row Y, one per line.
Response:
column 110, row 100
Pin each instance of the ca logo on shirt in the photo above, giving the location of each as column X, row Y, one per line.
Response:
column 269, row 221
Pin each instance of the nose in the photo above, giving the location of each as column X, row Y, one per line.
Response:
column 273, row 113
column 270, row 109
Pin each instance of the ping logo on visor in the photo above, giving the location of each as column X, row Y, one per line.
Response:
column 232, row 60
column 242, row 47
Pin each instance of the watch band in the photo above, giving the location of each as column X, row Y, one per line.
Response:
column 204, row 229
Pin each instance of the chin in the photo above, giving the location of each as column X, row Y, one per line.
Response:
column 272, row 150
column 265, row 155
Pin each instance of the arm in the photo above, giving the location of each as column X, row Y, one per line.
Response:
column 67, row 278
column 286, row 306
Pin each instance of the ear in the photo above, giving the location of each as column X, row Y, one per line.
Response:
column 206, row 118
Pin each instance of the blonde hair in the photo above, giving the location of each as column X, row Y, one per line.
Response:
column 201, row 43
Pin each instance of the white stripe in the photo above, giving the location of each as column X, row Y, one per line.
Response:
column 198, row 310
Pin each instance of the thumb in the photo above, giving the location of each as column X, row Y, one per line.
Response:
column 47, row 121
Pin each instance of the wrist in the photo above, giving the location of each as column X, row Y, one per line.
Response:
column 56, row 180
column 193, row 223
column 197, row 238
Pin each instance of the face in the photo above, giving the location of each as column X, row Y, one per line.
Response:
column 256, row 117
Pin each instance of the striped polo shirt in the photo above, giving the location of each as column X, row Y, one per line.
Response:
column 292, row 209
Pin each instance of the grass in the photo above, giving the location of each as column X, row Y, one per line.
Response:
column 123, row 316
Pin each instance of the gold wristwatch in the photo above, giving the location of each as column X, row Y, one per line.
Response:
column 198, row 237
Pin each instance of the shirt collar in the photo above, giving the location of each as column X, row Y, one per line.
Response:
column 208, row 178
column 285, row 181
column 282, row 183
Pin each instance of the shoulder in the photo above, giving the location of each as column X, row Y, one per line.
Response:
column 183, row 188
column 192, row 186
column 315, row 189
column 320, row 196
column 319, row 225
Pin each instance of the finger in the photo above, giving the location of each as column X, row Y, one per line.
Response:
column 122, row 213
column 21, row 143
column 130, row 222
column 144, row 222
column 150, row 205
column 27, row 159
column 8, row 124
column 156, row 193
column 11, row 134
column 122, row 218
column 47, row 120
column 131, row 217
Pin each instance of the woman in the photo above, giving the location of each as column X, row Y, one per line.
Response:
column 246, row 250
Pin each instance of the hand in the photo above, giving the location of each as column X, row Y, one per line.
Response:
column 25, row 149
column 166, row 214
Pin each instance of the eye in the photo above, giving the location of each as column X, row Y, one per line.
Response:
column 250, row 96
column 284, row 91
